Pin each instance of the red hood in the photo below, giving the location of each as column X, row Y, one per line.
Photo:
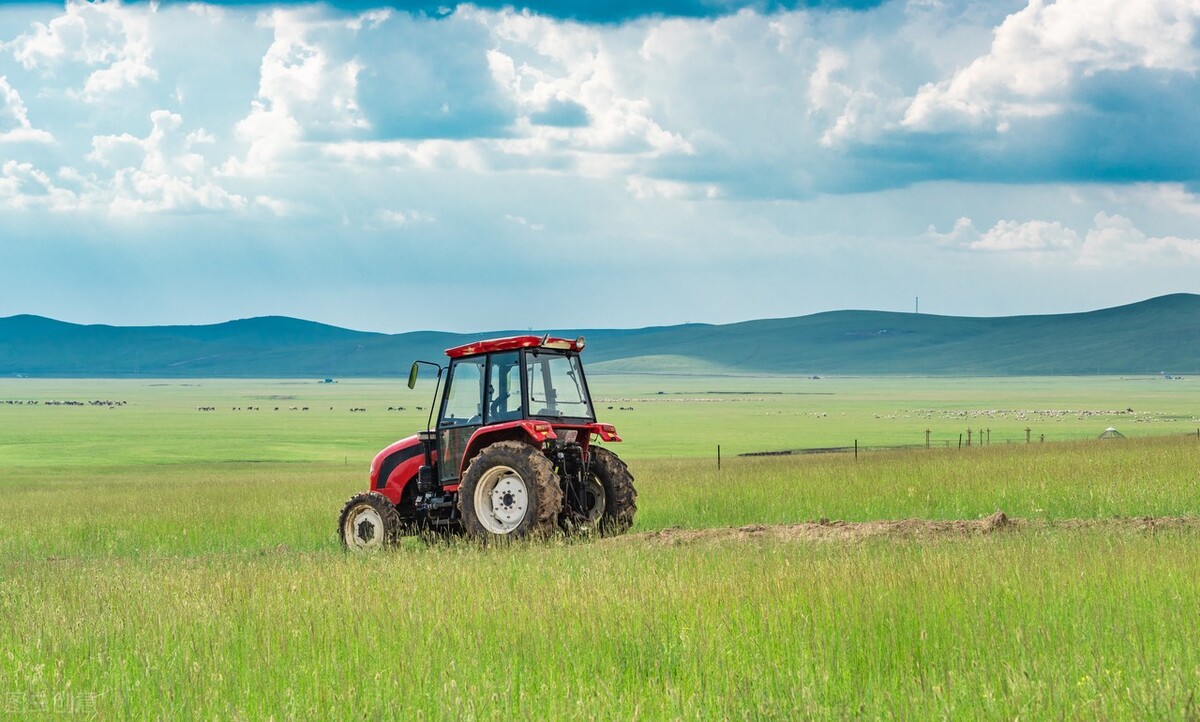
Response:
column 391, row 449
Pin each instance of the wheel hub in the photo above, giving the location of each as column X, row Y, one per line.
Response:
column 509, row 500
column 363, row 528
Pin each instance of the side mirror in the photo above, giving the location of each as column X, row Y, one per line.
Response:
column 412, row 375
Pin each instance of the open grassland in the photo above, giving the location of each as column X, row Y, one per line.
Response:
column 659, row 416
column 162, row 562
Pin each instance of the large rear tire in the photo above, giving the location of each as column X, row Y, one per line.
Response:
column 368, row 521
column 509, row 491
column 609, row 500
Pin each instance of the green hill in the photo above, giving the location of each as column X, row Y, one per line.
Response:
column 1161, row 334
column 1158, row 335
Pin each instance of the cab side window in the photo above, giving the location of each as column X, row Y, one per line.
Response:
column 463, row 400
column 504, row 387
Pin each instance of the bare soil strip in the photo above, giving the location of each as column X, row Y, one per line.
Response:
column 852, row 531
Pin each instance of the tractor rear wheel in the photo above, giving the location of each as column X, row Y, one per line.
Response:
column 509, row 491
column 608, row 499
column 368, row 521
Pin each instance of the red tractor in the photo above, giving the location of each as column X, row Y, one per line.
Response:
column 512, row 455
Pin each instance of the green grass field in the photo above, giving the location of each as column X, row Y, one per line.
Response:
column 162, row 562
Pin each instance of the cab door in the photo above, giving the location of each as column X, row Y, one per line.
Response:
column 461, row 414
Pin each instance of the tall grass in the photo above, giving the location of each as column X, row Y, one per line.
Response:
column 1063, row 624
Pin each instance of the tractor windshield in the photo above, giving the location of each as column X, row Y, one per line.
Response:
column 556, row 387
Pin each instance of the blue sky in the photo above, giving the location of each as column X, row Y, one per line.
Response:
column 576, row 165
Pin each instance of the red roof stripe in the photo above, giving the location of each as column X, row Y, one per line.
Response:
column 511, row 343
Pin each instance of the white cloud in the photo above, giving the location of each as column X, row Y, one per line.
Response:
column 545, row 63
column 522, row 221
column 106, row 34
column 275, row 205
column 206, row 12
column 302, row 76
column 644, row 188
column 1174, row 197
column 859, row 109
column 826, row 92
column 1035, row 236
column 161, row 172
column 962, row 234
column 270, row 134
column 305, row 88
column 14, row 118
column 1033, row 242
column 1038, row 52
column 24, row 187
column 50, row 43
column 405, row 218
column 1170, row 198
column 426, row 154
column 1112, row 242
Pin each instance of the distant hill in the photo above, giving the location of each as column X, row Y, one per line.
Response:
column 1154, row 336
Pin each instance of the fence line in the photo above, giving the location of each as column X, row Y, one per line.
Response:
column 980, row 437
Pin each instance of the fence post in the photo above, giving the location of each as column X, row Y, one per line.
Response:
column 968, row 437
column 927, row 437
column 1027, row 430
column 960, row 441
column 718, row 457
column 856, row 449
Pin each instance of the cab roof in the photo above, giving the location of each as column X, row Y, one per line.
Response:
column 512, row 343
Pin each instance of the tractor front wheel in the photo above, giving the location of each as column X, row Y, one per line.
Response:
column 369, row 521
column 509, row 491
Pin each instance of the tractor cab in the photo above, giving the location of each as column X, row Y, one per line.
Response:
column 525, row 384
column 511, row 452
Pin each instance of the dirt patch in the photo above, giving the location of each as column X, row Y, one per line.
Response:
column 853, row 531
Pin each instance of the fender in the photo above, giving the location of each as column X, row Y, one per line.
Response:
column 537, row 432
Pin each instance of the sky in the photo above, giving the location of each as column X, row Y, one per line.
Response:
column 422, row 165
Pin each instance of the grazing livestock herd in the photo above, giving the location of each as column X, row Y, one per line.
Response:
column 26, row 402
column 353, row 410
column 116, row 404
